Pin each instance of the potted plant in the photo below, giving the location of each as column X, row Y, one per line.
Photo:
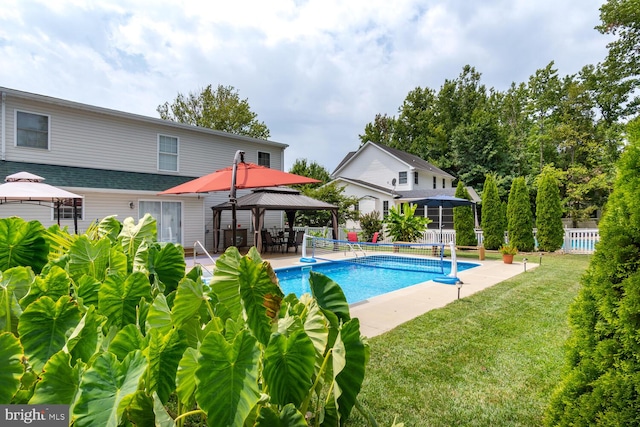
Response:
column 508, row 251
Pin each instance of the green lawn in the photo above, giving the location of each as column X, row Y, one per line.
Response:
column 491, row 359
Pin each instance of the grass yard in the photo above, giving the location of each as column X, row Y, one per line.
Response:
column 491, row 359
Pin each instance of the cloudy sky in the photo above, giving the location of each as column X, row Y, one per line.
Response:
column 315, row 71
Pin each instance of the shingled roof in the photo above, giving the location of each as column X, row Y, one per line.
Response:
column 70, row 176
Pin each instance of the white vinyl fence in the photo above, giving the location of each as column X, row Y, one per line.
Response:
column 576, row 240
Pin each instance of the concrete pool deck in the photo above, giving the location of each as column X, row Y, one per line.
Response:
column 384, row 312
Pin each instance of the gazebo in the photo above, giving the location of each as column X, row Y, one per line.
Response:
column 272, row 198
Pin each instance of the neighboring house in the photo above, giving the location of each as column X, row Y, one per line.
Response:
column 119, row 162
column 381, row 177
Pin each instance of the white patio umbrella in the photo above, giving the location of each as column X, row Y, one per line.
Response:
column 25, row 187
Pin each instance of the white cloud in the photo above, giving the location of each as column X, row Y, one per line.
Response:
column 314, row 71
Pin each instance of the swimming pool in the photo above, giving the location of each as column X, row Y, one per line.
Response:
column 359, row 282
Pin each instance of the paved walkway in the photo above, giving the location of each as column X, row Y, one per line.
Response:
column 384, row 312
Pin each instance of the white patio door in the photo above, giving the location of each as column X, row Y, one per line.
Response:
column 168, row 217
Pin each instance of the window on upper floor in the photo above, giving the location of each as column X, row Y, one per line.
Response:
column 434, row 182
column 444, row 183
column 66, row 209
column 385, row 208
column 415, row 178
column 264, row 159
column 32, row 130
column 167, row 153
column 402, row 178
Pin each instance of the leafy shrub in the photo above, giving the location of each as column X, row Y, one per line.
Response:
column 371, row 223
column 464, row 220
column 115, row 327
column 549, row 212
column 519, row 217
column 493, row 217
column 403, row 225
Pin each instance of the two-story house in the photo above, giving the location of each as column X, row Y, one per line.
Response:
column 119, row 162
column 381, row 177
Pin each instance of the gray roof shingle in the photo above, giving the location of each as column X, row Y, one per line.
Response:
column 70, row 176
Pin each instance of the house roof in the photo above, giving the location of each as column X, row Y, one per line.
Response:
column 362, row 183
column 70, row 176
column 131, row 116
column 410, row 159
column 410, row 195
column 277, row 198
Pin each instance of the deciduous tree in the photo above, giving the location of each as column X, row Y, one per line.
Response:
column 221, row 109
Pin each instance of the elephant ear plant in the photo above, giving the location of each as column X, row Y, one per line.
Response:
column 112, row 324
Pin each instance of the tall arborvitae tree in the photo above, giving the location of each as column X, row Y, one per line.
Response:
column 493, row 218
column 519, row 217
column 549, row 211
column 600, row 386
column 463, row 220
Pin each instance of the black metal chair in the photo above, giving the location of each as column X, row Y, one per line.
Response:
column 270, row 243
column 297, row 241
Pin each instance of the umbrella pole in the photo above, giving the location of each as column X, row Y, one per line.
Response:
column 232, row 196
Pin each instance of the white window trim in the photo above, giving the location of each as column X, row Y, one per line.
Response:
column 168, row 154
column 182, row 214
column 15, row 129
column 406, row 177
column 81, row 210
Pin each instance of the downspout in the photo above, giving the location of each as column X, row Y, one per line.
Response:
column 3, row 127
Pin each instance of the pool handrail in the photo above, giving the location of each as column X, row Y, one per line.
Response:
column 195, row 255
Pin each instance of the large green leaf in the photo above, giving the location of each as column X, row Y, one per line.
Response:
column 261, row 295
column 168, row 265
column 133, row 235
column 350, row 356
column 140, row 410
column 45, row 326
column 59, row 381
column 225, row 283
column 14, row 285
column 189, row 297
column 288, row 417
column 109, row 227
column 86, row 338
column 87, row 288
column 227, row 378
column 165, row 352
column 106, row 387
column 288, row 367
column 22, row 244
column 159, row 315
column 119, row 297
column 127, row 339
column 54, row 284
column 12, row 367
column 90, row 257
column 186, row 377
column 317, row 328
column 329, row 295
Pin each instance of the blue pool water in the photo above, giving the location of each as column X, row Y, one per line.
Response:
column 359, row 282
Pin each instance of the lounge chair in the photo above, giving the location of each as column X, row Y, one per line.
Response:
column 352, row 236
column 374, row 239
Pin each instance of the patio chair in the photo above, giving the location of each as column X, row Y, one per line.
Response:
column 374, row 239
column 352, row 236
column 297, row 241
column 269, row 243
